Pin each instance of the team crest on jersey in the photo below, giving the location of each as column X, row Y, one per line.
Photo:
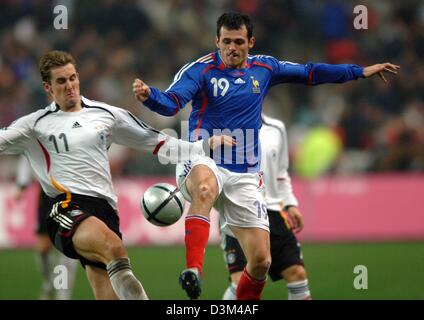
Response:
column 231, row 258
column 102, row 135
column 100, row 127
column 255, row 85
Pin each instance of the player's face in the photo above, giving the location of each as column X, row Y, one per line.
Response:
column 64, row 87
column 234, row 46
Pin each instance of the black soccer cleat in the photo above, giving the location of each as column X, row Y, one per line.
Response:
column 190, row 282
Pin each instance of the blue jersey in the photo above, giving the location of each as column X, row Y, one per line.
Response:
column 226, row 98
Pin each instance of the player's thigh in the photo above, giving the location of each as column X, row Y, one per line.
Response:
column 96, row 242
column 100, row 283
column 191, row 174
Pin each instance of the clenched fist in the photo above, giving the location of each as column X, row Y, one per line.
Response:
column 141, row 90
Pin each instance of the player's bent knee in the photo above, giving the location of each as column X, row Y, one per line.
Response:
column 205, row 191
column 115, row 249
column 265, row 263
column 301, row 273
column 261, row 264
column 298, row 273
column 202, row 184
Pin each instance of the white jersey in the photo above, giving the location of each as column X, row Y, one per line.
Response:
column 68, row 151
column 275, row 164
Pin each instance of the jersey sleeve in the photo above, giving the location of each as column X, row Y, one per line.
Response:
column 134, row 133
column 283, row 177
column 312, row 73
column 184, row 87
column 14, row 138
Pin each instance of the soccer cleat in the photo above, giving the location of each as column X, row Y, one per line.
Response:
column 190, row 282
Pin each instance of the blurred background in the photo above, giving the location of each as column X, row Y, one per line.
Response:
column 356, row 150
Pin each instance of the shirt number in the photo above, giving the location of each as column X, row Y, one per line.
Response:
column 62, row 136
column 261, row 207
column 222, row 84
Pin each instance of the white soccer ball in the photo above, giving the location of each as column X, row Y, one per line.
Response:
column 162, row 204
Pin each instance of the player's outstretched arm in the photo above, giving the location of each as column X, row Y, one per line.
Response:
column 134, row 133
column 320, row 73
column 380, row 69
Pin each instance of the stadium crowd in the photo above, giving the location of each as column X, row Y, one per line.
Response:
column 379, row 127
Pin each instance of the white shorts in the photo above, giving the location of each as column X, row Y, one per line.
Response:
column 240, row 202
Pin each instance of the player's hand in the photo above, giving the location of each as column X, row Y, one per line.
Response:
column 141, row 90
column 216, row 141
column 296, row 218
column 380, row 69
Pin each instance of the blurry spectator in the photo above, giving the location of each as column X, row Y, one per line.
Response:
column 114, row 41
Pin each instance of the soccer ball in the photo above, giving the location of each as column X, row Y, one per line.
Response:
column 162, row 204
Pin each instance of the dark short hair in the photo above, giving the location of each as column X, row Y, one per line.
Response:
column 234, row 21
column 54, row 59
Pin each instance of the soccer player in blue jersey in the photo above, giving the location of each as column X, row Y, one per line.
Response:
column 227, row 88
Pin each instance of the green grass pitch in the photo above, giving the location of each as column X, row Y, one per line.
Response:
column 395, row 271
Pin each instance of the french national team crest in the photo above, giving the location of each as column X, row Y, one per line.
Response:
column 255, row 85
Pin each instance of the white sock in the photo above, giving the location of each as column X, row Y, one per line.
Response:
column 230, row 293
column 45, row 266
column 124, row 283
column 299, row 290
column 70, row 265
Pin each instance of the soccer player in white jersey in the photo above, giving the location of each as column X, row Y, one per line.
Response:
column 46, row 257
column 66, row 144
column 287, row 260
